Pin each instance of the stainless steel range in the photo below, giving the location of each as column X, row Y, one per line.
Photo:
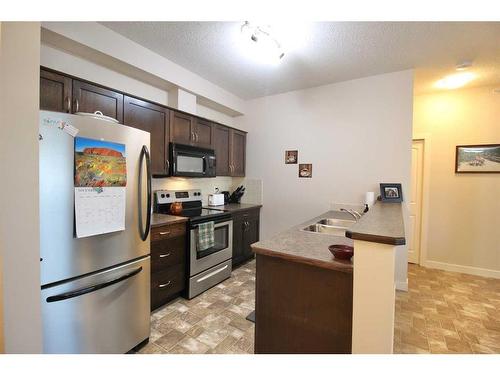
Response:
column 207, row 267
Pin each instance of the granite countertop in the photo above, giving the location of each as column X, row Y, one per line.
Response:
column 382, row 224
column 234, row 207
column 162, row 219
column 307, row 247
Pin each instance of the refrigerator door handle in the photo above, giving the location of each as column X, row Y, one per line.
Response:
column 144, row 231
column 93, row 288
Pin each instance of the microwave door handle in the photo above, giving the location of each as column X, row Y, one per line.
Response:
column 204, row 165
column 144, row 230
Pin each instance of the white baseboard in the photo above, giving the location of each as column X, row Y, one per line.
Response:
column 402, row 285
column 462, row 269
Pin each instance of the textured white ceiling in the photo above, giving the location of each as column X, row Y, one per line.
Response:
column 328, row 52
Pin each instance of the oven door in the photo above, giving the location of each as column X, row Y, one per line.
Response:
column 189, row 161
column 200, row 261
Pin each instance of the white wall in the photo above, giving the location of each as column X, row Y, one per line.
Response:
column 356, row 134
column 123, row 51
column 464, row 209
column 55, row 58
column 19, row 221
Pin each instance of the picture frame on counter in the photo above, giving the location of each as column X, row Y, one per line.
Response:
column 391, row 192
column 291, row 156
column 477, row 158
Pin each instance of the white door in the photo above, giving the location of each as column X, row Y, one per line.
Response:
column 415, row 204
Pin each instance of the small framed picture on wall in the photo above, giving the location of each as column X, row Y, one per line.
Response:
column 306, row 170
column 291, row 156
column 391, row 192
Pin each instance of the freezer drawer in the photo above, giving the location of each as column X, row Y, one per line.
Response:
column 107, row 312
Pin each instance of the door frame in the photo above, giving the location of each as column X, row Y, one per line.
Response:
column 424, row 219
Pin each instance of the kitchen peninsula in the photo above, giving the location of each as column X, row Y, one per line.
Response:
column 309, row 302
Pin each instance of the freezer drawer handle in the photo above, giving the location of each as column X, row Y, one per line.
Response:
column 93, row 288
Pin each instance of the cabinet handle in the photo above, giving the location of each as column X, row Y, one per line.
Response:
column 164, row 255
column 164, row 285
column 68, row 104
column 167, row 163
column 197, row 137
column 192, row 136
column 164, row 233
column 77, row 105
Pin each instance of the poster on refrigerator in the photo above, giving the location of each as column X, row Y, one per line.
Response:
column 100, row 186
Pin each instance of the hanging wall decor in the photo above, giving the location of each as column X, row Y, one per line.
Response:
column 305, row 170
column 477, row 159
column 291, row 156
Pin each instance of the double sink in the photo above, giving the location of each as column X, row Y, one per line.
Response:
column 336, row 227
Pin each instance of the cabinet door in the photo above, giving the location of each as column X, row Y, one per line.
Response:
column 181, row 128
column 250, row 234
column 238, row 146
column 221, row 147
column 238, row 228
column 153, row 119
column 203, row 132
column 91, row 98
column 55, row 92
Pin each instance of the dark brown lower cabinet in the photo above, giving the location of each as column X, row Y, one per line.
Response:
column 168, row 263
column 245, row 232
column 300, row 308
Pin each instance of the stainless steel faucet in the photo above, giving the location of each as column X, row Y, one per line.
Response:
column 355, row 214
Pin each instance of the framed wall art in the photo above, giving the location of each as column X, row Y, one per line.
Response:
column 291, row 156
column 477, row 159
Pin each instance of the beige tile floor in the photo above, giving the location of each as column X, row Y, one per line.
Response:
column 213, row 322
column 447, row 312
column 442, row 312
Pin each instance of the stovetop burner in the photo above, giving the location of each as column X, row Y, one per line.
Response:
column 192, row 207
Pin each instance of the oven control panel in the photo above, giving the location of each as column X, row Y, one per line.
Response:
column 170, row 196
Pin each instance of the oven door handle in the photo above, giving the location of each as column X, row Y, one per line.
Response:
column 92, row 288
column 216, row 225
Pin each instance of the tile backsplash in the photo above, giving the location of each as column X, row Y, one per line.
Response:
column 253, row 192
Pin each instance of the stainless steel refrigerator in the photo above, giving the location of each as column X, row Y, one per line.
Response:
column 95, row 290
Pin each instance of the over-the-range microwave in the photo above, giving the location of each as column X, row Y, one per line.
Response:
column 191, row 161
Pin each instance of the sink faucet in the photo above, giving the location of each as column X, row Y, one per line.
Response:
column 355, row 214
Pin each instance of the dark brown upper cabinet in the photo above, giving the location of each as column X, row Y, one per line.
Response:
column 229, row 146
column 62, row 93
column 91, row 98
column 221, row 146
column 181, row 126
column 238, row 151
column 154, row 119
column 190, row 130
column 55, row 92
column 203, row 133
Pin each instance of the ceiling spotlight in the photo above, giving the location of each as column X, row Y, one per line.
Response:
column 264, row 45
column 463, row 65
column 455, row 81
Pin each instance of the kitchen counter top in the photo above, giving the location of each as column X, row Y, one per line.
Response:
column 307, row 247
column 234, row 207
column 382, row 224
column 162, row 219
